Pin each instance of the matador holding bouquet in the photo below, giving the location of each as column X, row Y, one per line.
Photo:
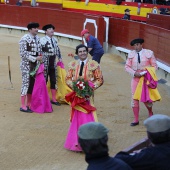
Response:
column 83, row 77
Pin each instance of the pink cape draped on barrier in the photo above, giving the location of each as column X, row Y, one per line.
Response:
column 40, row 102
column 79, row 119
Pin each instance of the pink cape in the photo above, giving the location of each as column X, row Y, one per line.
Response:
column 40, row 102
column 145, row 88
column 60, row 64
column 79, row 119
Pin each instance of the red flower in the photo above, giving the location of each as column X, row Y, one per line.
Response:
column 80, row 85
column 71, row 55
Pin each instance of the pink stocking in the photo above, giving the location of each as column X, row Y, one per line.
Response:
column 53, row 92
column 29, row 100
column 23, row 98
column 149, row 109
column 136, row 114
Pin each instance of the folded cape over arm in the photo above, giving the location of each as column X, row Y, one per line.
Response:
column 146, row 90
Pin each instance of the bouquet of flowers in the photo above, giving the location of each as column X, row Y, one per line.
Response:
column 82, row 88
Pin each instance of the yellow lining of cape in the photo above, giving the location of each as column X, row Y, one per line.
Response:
column 153, row 93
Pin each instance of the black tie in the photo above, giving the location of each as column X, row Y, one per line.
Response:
column 138, row 58
column 52, row 43
column 35, row 40
column 81, row 68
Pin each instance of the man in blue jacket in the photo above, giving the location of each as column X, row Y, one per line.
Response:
column 127, row 14
column 157, row 156
column 95, row 49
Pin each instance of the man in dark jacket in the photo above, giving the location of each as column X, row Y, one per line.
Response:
column 93, row 140
column 156, row 157
column 127, row 14
column 19, row 3
column 95, row 49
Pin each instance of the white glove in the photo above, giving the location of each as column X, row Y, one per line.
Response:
column 143, row 73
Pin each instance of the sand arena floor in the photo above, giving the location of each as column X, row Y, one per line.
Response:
column 35, row 142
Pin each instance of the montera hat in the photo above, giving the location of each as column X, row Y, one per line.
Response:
column 45, row 27
column 92, row 130
column 84, row 32
column 33, row 25
column 127, row 10
column 157, row 123
column 137, row 40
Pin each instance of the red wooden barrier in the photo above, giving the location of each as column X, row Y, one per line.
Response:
column 159, row 20
column 65, row 22
column 121, row 32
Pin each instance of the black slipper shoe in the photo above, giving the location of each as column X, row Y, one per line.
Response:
column 134, row 124
column 56, row 103
column 27, row 111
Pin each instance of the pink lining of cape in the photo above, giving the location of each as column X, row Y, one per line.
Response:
column 40, row 102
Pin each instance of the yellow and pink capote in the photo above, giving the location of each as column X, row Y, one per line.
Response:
column 146, row 90
column 63, row 89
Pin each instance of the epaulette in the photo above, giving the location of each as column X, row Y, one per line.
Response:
column 43, row 41
column 26, row 38
column 132, row 54
column 73, row 64
column 92, row 64
column 148, row 53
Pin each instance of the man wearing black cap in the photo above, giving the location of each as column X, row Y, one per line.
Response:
column 157, row 156
column 93, row 139
column 137, row 61
column 127, row 14
column 50, row 52
column 30, row 52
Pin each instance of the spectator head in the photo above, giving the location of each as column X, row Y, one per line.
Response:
column 93, row 138
column 158, row 128
column 32, row 25
column 85, row 31
column 45, row 27
column 127, row 10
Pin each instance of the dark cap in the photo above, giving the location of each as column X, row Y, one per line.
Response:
column 33, row 25
column 45, row 27
column 92, row 130
column 127, row 10
column 157, row 123
column 137, row 40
